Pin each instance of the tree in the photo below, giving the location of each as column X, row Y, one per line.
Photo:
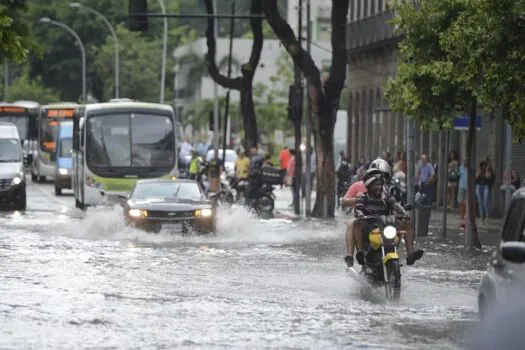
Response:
column 140, row 64
column 14, row 38
column 433, row 83
column 25, row 88
column 324, row 93
column 244, row 82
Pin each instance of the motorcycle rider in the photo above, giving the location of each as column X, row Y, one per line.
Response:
column 377, row 202
column 344, row 177
column 357, row 189
column 195, row 166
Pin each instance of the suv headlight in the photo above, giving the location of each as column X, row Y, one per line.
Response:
column 137, row 213
column 62, row 171
column 203, row 213
column 16, row 180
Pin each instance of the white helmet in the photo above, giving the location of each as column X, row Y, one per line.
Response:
column 382, row 166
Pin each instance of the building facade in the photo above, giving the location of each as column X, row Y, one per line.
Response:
column 320, row 15
column 372, row 127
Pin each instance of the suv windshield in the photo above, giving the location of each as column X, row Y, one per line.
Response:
column 130, row 140
column 21, row 122
column 10, row 151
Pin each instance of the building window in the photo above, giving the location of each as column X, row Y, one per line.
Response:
column 358, row 10
column 365, row 8
column 373, row 7
column 380, row 6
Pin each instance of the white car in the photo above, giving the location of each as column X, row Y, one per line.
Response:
column 229, row 164
column 506, row 272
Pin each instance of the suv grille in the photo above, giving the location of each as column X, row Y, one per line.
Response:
column 171, row 214
column 5, row 183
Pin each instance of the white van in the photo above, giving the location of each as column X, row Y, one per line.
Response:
column 12, row 180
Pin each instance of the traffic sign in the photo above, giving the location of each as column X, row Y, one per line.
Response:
column 461, row 122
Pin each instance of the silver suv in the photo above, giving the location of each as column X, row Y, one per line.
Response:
column 506, row 272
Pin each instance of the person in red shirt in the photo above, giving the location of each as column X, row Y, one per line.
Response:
column 284, row 159
column 290, row 170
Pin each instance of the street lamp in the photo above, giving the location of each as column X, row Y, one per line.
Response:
column 82, row 50
column 113, row 34
column 164, row 52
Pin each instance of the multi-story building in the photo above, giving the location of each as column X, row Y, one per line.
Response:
column 372, row 127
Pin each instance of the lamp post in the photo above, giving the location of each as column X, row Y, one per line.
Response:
column 164, row 52
column 115, row 39
column 82, row 50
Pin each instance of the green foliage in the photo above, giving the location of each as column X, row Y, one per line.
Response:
column 455, row 51
column 24, row 88
column 14, row 31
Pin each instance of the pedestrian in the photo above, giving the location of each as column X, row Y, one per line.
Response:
column 284, row 158
column 291, row 174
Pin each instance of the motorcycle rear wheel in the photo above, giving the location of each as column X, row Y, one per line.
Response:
column 393, row 287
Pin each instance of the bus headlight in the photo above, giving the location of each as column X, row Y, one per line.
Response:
column 16, row 181
column 137, row 213
column 62, row 171
column 203, row 213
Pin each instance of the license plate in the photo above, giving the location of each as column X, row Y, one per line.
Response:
column 173, row 227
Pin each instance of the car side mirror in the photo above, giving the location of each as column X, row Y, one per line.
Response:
column 513, row 252
column 408, row 207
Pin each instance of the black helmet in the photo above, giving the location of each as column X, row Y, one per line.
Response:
column 382, row 166
column 372, row 175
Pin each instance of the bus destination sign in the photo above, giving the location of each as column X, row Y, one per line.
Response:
column 61, row 113
column 9, row 109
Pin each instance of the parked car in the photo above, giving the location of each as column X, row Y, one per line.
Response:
column 506, row 272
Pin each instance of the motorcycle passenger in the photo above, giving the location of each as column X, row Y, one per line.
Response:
column 353, row 230
column 195, row 166
column 242, row 165
column 378, row 203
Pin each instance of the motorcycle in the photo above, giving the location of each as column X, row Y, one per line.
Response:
column 382, row 267
column 398, row 187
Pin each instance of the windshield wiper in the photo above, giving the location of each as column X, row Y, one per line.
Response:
column 110, row 167
column 10, row 161
column 176, row 192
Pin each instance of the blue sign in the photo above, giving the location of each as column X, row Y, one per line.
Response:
column 461, row 122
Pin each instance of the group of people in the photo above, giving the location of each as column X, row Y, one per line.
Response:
column 369, row 196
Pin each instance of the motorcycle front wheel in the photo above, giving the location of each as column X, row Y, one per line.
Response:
column 393, row 286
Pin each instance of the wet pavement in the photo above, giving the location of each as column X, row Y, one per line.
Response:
column 83, row 280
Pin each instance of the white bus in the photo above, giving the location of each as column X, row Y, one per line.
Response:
column 117, row 143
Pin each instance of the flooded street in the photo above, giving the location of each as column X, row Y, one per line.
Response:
column 83, row 280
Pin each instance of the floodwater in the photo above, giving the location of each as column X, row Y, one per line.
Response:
column 83, row 280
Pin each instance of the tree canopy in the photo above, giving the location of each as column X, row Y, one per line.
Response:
column 454, row 51
column 14, row 31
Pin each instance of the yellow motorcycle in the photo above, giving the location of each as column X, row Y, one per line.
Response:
column 382, row 267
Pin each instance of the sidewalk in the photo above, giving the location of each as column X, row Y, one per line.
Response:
column 489, row 232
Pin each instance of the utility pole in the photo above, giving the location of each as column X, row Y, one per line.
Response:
column 411, row 168
column 508, row 165
column 6, row 79
column 297, row 115
column 216, row 127
column 227, row 107
column 308, row 175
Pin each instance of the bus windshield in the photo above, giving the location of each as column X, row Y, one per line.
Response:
column 48, row 135
column 130, row 140
column 10, row 151
column 21, row 122
column 66, row 147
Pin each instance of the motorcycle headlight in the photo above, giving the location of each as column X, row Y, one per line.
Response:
column 389, row 232
column 16, row 180
column 223, row 176
column 137, row 213
column 62, row 171
column 203, row 213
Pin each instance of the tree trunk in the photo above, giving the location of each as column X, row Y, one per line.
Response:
column 242, row 83
column 471, row 142
column 248, row 115
column 324, row 95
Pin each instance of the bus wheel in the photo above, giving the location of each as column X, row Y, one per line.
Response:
column 41, row 179
column 34, row 178
column 58, row 191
